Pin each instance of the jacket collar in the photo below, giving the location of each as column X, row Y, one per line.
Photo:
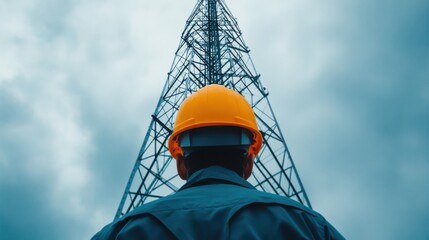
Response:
column 215, row 174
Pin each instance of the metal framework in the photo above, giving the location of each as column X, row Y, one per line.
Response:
column 211, row 50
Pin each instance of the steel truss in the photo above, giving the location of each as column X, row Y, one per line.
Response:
column 211, row 50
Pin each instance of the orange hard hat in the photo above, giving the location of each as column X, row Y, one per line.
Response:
column 211, row 106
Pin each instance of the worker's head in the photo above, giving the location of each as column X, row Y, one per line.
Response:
column 215, row 126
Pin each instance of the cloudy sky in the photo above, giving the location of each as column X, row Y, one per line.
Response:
column 348, row 81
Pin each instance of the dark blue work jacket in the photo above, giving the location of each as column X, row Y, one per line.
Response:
column 216, row 203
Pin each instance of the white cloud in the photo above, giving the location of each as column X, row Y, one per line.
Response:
column 15, row 33
column 67, row 143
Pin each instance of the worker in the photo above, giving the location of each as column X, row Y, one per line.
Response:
column 215, row 141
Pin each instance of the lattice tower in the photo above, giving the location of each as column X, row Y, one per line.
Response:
column 211, row 51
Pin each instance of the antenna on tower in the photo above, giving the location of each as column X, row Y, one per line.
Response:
column 211, row 51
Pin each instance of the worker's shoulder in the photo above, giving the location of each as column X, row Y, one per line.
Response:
column 265, row 199
column 224, row 196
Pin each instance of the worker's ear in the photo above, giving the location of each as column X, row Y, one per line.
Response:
column 181, row 169
column 249, row 166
